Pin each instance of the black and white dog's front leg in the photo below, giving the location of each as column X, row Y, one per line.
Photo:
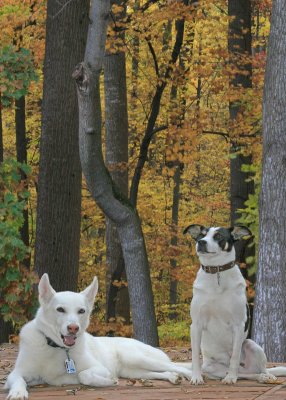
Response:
column 238, row 338
column 196, row 339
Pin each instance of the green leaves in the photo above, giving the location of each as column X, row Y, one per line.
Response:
column 17, row 300
column 16, row 73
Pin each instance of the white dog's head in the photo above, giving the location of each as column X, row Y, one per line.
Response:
column 64, row 316
column 215, row 245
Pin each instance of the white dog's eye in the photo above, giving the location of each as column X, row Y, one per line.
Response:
column 81, row 311
column 61, row 309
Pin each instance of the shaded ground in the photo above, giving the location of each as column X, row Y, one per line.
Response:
column 147, row 390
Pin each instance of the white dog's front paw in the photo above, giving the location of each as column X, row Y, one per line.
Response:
column 230, row 379
column 17, row 394
column 267, row 378
column 197, row 380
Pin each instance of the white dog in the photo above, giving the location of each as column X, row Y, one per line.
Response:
column 55, row 349
column 219, row 312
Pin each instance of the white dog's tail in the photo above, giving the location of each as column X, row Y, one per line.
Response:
column 187, row 365
column 277, row 371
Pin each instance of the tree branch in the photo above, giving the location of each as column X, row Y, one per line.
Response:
column 152, row 51
column 155, row 109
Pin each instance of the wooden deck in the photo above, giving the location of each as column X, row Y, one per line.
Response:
column 148, row 390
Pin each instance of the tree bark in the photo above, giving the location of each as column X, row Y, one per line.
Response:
column 114, row 204
column 116, row 158
column 1, row 133
column 21, row 149
column 270, row 303
column 239, row 45
column 5, row 327
column 59, row 194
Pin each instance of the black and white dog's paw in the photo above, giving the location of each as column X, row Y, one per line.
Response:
column 197, row 380
column 230, row 379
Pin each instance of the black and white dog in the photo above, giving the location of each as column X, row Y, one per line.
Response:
column 219, row 312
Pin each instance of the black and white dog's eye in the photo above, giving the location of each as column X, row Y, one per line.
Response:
column 61, row 309
column 81, row 311
column 218, row 236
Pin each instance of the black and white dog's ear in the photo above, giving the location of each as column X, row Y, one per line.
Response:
column 195, row 230
column 239, row 232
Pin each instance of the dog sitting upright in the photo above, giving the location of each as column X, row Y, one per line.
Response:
column 219, row 312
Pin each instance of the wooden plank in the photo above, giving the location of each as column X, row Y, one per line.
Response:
column 243, row 390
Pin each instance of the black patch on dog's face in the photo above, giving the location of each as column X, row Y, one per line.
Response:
column 224, row 239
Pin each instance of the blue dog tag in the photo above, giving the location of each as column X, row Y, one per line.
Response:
column 70, row 367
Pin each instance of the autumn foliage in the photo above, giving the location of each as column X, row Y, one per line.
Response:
column 191, row 137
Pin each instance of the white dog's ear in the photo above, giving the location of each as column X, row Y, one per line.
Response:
column 239, row 232
column 46, row 292
column 196, row 230
column 91, row 291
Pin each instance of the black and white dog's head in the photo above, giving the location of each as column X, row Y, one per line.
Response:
column 215, row 245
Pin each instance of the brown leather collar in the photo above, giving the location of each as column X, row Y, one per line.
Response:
column 210, row 269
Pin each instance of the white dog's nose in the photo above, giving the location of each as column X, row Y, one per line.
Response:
column 73, row 328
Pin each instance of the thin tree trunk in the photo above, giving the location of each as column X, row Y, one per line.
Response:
column 269, row 326
column 59, row 194
column 116, row 158
column 5, row 327
column 114, row 204
column 174, row 239
column 21, row 149
column 1, row 133
column 239, row 45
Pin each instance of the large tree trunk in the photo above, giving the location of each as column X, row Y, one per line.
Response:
column 59, row 195
column 270, row 303
column 21, row 148
column 114, row 204
column 116, row 158
column 239, row 45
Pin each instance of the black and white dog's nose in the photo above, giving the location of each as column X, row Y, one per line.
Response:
column 202, row 246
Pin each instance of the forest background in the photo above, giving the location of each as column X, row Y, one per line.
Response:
column 207, row 89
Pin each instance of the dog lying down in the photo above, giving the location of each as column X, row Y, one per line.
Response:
column 219, row 312
column 55, row 349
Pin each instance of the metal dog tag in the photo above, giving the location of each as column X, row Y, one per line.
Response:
column 218, row 278
column 70, row 367
column 69, row 363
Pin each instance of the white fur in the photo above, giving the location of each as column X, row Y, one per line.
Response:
column 218, row 312
column 99, row 360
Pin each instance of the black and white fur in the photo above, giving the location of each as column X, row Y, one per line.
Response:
column 219, row 314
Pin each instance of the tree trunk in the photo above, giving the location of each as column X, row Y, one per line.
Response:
column 114, row 204
column 174, row 239
column 116, row 158
column 59, row 194
column 5, row 327
column 1, row 133
column 270, row 302
column 239, row 46
column 21, row 148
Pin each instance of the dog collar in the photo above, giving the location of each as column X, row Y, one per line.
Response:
column 51, row 343
column 211, row 269
column 69, row 362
